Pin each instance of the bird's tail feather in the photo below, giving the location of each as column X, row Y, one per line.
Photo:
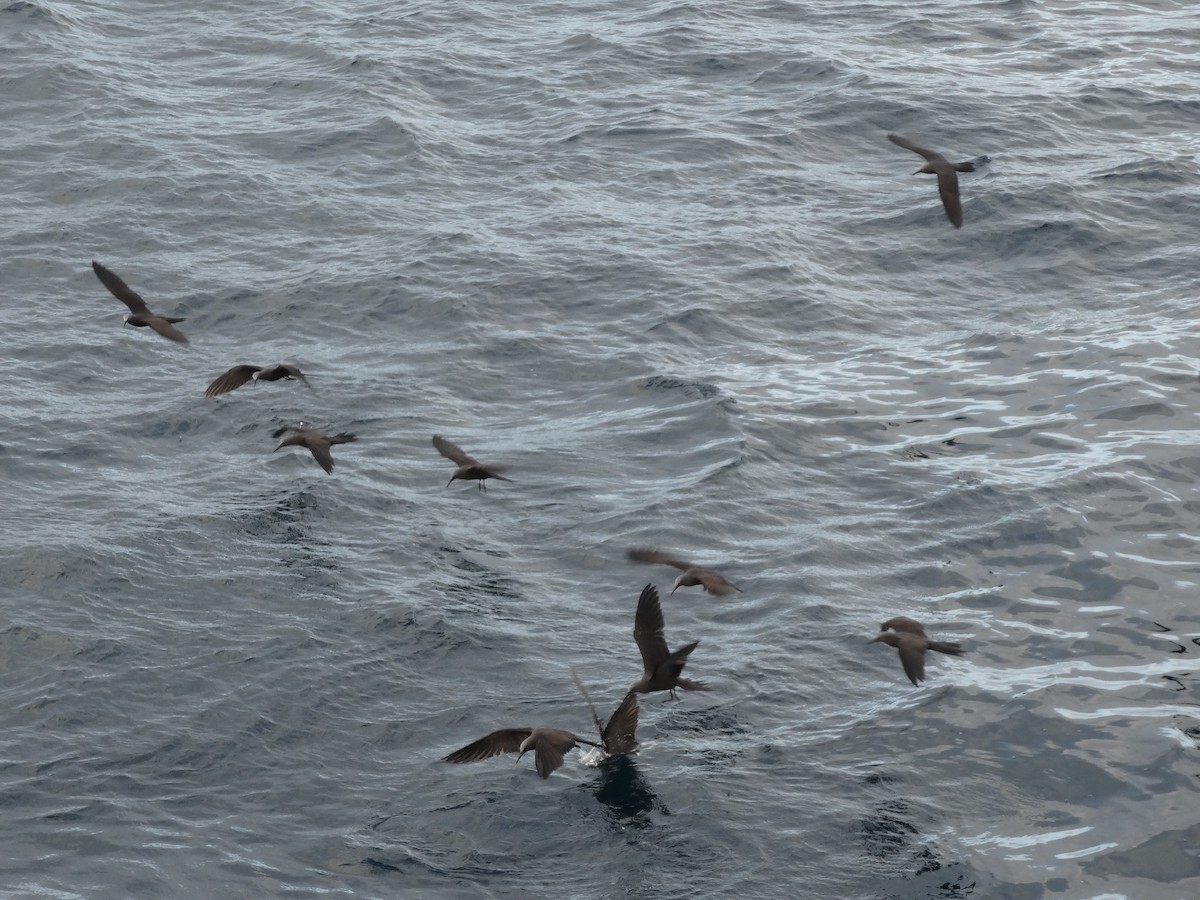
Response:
column 946, row 647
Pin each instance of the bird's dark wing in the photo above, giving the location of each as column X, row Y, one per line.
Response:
column 714, row 582
column 948, row 189
column 671, row 667
column 912, row 657
column 453, row 452
column 506, row 740
column 646, row 555
column 552, row 746
column 909, row 145
column 318, row 445
column 295, row 372
column 231, row 381
column 343, row 437
column 280, row 432
column 648, row 630
column 165, row 328
column 121, row 290
column 619, row 735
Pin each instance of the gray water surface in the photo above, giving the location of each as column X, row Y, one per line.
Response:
column 661, row 260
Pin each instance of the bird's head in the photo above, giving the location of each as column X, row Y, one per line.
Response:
column 526, row 746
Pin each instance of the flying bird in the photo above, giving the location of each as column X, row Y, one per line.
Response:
column 317, row 442
column 239, row 375
column 938, row 165
column 908, row 637
column 661, row 667
column 139, row 314
column 712, row 580
column 469, row 468
column 619, row 734
column 549, row 746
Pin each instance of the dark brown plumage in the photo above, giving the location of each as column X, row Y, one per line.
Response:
column 712, row 581
column 661, row 667
column 549, row 746
column 908, row 637
column 316, row 442
column 903, row 624
column 619, row 734
column 469, row 468
column 239, row 375
column 938, row 165
column 139, row 314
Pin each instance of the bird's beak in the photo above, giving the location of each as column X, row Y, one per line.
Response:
column 277, row 449
column 450, row 482
column 674, row 589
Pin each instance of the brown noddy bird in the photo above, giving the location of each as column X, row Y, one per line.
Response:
column 139, row 314
column 317, row 442
column 938, row 165
column 619, row 734
column 549, row 746
column 908, row 637
column 661, row 667
column 469, row 468
column 239, row 375
column 712, row 580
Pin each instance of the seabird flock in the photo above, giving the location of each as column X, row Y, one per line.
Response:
column 661, row 669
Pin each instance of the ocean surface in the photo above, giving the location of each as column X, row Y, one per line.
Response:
column 661, row 260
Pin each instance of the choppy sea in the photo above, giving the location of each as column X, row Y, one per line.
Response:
column 661, row 260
